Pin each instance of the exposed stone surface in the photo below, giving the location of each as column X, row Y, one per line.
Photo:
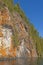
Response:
column 13, row 24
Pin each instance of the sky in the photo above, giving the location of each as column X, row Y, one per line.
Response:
column 33, row 9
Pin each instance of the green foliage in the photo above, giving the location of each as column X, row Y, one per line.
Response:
column 15, row 38
column 9, row 4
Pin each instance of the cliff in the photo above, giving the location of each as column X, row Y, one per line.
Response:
column 15, row 32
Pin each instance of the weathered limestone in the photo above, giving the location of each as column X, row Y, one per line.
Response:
column 5, row 38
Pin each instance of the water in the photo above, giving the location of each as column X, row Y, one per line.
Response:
column 23, row 61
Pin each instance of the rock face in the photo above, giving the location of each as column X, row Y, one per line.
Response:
column 14, row 25
column 5, row 38
column 5, row 32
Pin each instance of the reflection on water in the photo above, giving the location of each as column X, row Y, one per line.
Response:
column 23, row 61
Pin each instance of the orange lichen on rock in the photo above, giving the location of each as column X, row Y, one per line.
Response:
column 3, row 52
column 13, row 52
column 4, row 16
column 1, row 35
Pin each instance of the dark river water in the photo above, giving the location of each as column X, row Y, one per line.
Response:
column 22, row 61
